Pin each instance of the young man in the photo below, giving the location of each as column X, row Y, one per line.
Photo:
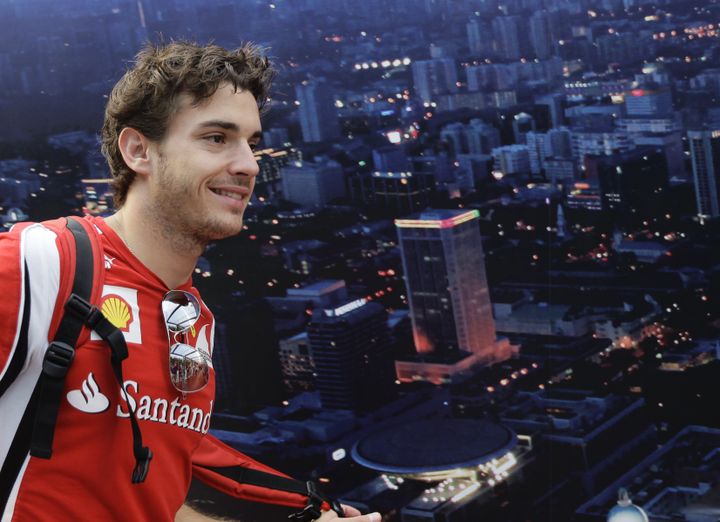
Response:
column 179, row 132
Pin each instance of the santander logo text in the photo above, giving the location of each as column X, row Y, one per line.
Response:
column 160, row 410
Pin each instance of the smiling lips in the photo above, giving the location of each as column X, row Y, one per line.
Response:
column 237, row 192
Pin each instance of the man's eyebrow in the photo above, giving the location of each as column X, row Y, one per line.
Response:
column 227, row 125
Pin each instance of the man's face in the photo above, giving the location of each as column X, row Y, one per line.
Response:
column 204, row 168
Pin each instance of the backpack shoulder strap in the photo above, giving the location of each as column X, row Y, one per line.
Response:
column 61, row 351
column 78, row 244
column 78, row 313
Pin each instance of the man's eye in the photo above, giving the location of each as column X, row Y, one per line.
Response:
column 216, row 138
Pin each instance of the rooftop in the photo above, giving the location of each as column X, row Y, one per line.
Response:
column 425, row 446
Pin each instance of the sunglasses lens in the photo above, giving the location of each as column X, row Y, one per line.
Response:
column 180, row 309
column 189, row 368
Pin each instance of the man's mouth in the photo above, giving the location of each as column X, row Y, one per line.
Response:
column 228, row 193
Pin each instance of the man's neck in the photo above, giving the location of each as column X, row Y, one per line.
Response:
column 168, row 256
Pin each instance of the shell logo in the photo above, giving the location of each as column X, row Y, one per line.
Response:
column 117, row 311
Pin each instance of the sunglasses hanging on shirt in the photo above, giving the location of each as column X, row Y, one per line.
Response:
column 189, row 367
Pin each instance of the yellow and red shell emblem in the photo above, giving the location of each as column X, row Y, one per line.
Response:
column 117, row 311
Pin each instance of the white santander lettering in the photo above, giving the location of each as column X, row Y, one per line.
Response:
column 156, row 409
column 197, row 417
column 143, row 412
column 124, row 393
column 184, row 415
column 157, row 404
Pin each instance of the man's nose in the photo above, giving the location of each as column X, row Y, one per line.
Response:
column 244, row 162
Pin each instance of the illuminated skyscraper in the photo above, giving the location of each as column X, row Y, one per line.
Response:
column 705, row 153
column 447, row 290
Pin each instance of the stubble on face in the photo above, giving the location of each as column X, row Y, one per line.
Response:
column 185, row 225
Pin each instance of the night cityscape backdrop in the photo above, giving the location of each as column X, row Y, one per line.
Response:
column 479, row 277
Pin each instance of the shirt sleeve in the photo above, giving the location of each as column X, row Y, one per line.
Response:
column 212, row 455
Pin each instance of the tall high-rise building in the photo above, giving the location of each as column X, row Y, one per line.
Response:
column 555, row 104
column 251, row 376
column 508, row 36
column 447, row 289
column 455, row 136
column 312, row 184
column 491, row 76
column 478, row 37
column 559, row 143
column 633, row 184
column 434, row 77
column 399, row 193
column 482, row 137
column 649, row 101
column 705, row 154
column 522, row 124
column 318, row 117
column 512, row 160
column 541, row 35
column 595, row 142
column 271, row 162
column 351, row 349
column 538, row 145
column 671, row 144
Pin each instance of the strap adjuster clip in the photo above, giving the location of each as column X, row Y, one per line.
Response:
column 313, row 510
column 58, row 358
column 78, row 306
column 310, row 513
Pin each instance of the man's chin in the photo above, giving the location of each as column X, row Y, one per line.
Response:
column 216, row 231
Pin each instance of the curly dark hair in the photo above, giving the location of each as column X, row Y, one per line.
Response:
column 146, row 96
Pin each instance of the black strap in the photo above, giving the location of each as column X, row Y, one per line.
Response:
column 262, row 479
column 61, row 352
column 118, row 353
column 19, row 447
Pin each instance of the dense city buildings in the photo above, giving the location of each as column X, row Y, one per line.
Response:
column 485, row 228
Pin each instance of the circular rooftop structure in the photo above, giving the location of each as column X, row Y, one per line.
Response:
column 431, row 446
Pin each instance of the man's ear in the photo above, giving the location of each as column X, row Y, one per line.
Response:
column 135, row 150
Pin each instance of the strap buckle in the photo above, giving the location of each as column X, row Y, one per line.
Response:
column 58, row 358
column 79, row 307
column 142, row 465
column 313, row 510
column 308, row 514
